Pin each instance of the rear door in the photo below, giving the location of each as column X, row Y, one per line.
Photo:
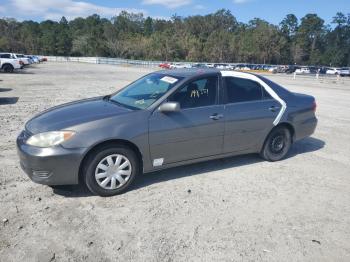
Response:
column 197, row 130
column 249, row 113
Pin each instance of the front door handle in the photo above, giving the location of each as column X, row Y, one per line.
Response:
column 216, row 116
column 274, row 108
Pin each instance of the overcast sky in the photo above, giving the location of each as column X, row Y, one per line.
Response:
column 244, row 10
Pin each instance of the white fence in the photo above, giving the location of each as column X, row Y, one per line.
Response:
column 153, row 64
column 103, row 60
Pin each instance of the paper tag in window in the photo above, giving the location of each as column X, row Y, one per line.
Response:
column 169, row 79
column 140, row 102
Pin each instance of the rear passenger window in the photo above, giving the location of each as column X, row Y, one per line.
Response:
column 243, row 90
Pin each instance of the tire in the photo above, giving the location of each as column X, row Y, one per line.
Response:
column 7, row 68
column 99, row 168
column 277, row 144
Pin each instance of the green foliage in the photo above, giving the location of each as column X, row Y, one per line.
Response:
column 216, row 37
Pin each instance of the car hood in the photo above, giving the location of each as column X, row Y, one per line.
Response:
column 74, row 113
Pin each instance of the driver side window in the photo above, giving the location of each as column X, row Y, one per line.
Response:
column 199, row 93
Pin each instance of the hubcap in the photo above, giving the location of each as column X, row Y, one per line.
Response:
column 113, row 171
column 277, row 144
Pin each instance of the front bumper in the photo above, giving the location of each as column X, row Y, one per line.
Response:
column 49, row 166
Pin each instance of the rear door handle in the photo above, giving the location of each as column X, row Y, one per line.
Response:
column 274, row 108
column 216, row 116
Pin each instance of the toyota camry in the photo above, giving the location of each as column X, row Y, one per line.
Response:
column 164, row 119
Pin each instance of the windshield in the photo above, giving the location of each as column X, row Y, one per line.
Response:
column 145, row 91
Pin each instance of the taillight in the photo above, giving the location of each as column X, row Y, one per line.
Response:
column 21, row 62
column 314, row 106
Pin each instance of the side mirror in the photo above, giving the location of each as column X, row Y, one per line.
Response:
column 168, row 107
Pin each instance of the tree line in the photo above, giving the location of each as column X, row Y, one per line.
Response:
column 216, row 37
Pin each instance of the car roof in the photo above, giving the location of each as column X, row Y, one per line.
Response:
column 193, row 72
column 189, row 72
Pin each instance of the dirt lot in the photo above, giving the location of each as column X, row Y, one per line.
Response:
column 235, row 209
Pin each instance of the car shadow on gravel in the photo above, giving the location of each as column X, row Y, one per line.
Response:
column 23, row 73
column 5, row 89
column 72, row 191
column 8, row 100
column 306, row 145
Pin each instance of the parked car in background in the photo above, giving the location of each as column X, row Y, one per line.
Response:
column 199, row 65
column 33, row 58
column 26, row 61
column 314, row 69
column 165, row 119
column 290, row 69
column 280, row 69
column 333, row 71
column 273, row 69
column 209, row 65
column 164, row 65
column 239, row 66
column 179, row 66
column 323, row 70
column 9, row 64
column 345, row 71
column 302, row 70
column 257, row 67
column 224, row 66
column 242, row 67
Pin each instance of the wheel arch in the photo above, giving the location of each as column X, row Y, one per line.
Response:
column 7, row 64
column 287, row 125
column 110, row 142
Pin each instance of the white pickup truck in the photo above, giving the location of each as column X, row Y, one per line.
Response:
column 25, row 60
column 9, row 64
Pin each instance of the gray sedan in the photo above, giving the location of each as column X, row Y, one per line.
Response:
column 164, row 119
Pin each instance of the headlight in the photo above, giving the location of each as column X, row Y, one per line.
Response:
column 49, row 139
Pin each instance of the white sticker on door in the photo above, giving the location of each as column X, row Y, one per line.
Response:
column 158, row 162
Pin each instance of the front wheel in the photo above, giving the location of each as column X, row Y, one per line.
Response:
column 8, row 68
column 111, row 170
column 277, row 144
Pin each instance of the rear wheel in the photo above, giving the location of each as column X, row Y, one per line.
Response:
column 111, row 170
column 277, row 144
column 8, row 68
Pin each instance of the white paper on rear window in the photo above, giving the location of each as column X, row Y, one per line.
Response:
column 169, row 79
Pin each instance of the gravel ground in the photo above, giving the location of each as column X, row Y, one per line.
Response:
column 234, row 209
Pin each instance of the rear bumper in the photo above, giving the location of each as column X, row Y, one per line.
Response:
column 305, row 128
column 50, row 166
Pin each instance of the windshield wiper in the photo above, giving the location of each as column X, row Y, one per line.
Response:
column 108, row 98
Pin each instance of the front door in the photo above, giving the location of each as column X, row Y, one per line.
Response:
column 196, row 131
